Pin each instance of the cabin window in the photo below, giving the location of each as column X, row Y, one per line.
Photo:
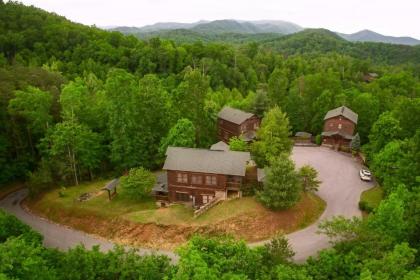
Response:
column 211, row 180
column 196, row 179
column 339, row 126
column 182, row 196
column 255, row 125
column 182, row 178
column 206, row 198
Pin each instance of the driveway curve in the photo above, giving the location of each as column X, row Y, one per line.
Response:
column 60, row 236
column 340, row 188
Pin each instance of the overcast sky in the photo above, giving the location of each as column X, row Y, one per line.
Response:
column 389, row 17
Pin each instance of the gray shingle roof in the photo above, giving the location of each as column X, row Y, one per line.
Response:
column 220, row 146
column 342, row 111
column 234, row 115
column 206, row 161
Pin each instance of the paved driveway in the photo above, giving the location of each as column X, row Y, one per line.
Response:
column 340, row 188
column 59, row 236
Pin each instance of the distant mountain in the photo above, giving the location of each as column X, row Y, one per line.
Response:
column 218, row 27
column 370, row 36
column 247, row 27
column 277, row 26
column 315, row 41
column 207, row 30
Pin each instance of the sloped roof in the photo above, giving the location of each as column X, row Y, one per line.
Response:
column 234, row 115
column 111, row 185
column 206, row 161
column 331, row 133
column 342, row 111
column 220, row 146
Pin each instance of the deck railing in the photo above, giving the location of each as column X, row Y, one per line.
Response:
column 207, row 206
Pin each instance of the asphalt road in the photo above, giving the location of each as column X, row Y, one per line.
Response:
column 59, row 236
column 340, row 188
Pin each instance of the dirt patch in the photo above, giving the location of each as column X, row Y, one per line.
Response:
column 257, row 225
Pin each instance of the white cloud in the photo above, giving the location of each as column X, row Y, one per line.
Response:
column 398, row 18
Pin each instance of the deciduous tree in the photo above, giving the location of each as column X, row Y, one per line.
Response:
column 308, row 178
column 138, row 183
column 272, row 137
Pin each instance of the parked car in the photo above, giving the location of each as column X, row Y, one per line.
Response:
column 365, row 175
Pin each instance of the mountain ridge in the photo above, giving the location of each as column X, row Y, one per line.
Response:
column 367, row 35
column 233, row 26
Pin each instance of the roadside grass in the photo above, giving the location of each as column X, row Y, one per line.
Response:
column 316, row 204
column 370, row 199
column 7, row 189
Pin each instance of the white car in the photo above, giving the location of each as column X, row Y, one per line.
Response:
column 365, row 175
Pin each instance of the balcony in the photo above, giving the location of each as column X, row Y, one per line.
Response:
column 162, row 197
column 233, row 185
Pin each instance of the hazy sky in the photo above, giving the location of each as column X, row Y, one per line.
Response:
column 390, row 17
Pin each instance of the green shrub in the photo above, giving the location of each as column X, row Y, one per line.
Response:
column 10, row 226
column 138, row 183
column 318, row 139
column 364, row 206
column 62, row 192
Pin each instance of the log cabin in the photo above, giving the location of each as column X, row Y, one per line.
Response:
column 197, row 176
column 233, row 122
column 339, row 127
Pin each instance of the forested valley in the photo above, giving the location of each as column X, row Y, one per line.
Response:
column 78, row 103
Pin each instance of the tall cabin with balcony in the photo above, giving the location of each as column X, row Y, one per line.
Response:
column 339, row 127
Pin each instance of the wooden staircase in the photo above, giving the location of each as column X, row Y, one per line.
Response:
column 207, row 206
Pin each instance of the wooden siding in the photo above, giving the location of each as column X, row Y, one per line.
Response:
column 194, row 190
column 198, row 190
column 333, row 124
column 227, row 129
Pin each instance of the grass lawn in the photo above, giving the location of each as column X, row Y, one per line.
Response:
column 310, row 206
column 183, row 215
column 142, row 223
column 99, row 205
column 372, row 197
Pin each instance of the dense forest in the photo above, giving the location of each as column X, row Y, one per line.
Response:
column 78, row 102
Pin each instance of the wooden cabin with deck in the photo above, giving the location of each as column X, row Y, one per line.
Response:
column 233, row 122
column 198, row 176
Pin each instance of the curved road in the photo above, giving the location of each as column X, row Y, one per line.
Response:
column 340, row 188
